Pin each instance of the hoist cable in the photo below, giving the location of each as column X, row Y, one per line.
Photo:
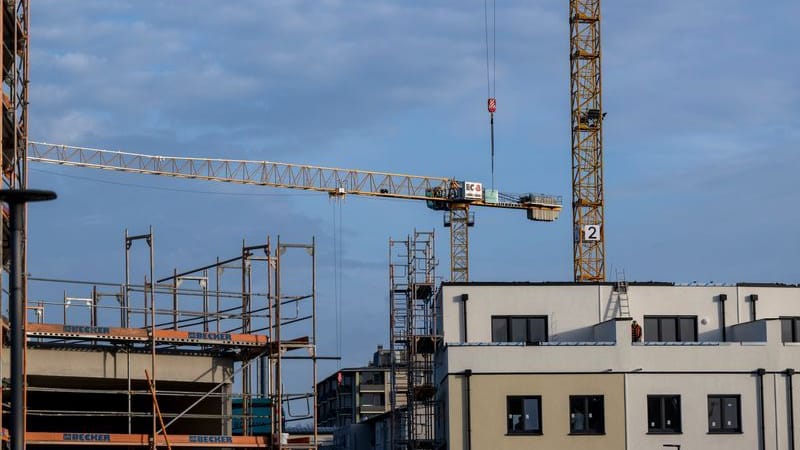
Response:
column 491, row 76
column 486, row 38
column 494, row 48
column 341, row 258
column 336, row 269
column 491, row 126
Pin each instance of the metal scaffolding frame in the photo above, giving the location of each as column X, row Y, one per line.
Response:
column 190, row 313
column 413, row 340
column 14, row 27
column 14, row 23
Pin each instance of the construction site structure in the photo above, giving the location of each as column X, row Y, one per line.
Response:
column 222, row 356
column 14, row 136
column 587, row 141
column 455, row 197
column 14, row 28
column 413, row 340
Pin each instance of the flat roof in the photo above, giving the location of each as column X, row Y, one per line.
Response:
column 553, row 283
column 612, row 283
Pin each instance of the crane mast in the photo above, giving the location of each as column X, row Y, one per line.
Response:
column 587, row 141
column 439, row 193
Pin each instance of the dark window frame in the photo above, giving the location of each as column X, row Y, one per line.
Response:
column 723, row 429
column 677, row 322
column 528, row 331
column 510, row 431
column 661, row 427
column 794, row 328
column 586, row 404
column 371, row 395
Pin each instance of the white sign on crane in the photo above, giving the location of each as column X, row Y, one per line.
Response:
column 591, row 233
column 473, row 191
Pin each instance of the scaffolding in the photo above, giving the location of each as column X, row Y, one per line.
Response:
column 251, row 316
column 14, row 26
column 413, row 340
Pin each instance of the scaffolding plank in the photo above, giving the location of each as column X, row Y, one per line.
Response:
column 201, row 337
column 143, row 335
column 142, row 440
column 105, row 439
column 86, row 332
column 291, row 344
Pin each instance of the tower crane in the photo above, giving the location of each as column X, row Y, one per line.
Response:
column 587, row 141
column 453, row 196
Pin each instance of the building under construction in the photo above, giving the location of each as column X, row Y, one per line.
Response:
column 194, row 358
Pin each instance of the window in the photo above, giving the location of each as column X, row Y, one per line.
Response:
column 529, row 329
column 372, row 378
column 790, row 329
column 586, row 414
column 371, row 399
column 670, row 328
column 724, row 414
column 345, row 402
column 524, row 415
column 344, row 420
column 664, row 413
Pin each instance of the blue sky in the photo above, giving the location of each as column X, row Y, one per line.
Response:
column 701, row 136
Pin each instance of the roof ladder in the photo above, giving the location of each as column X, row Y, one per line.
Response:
column 621, row 290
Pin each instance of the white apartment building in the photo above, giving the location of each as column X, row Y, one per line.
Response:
column 555, row 366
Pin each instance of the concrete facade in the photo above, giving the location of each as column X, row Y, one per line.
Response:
column 110, row 364
column 87, row 389
column 488, row 407
column 589, row 351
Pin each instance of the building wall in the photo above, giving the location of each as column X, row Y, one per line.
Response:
column 573, row 310
column 99, row 363
column 487, row 396
column 625, row 397
column 589, row 347
column 693, row 390
column 347, row 402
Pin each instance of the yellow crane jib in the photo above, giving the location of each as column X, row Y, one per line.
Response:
column 439, row 193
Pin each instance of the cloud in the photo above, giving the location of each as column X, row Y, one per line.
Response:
column 700, row 138
column 72, row 126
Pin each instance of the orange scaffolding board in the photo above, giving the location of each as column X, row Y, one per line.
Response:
column 142, row 440
column 143, row 335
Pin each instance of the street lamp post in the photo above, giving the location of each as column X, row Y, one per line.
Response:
column 16, row 199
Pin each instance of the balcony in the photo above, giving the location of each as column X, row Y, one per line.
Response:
column 372, row 387
column 371, row 409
